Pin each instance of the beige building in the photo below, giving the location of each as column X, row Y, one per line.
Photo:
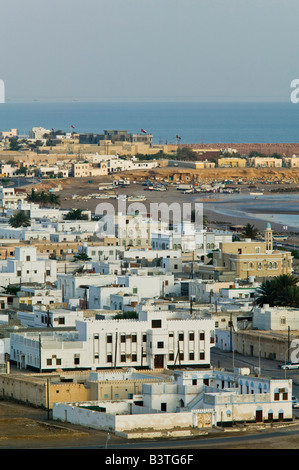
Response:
column 249, row 258
column 42, row 390
column 189, row 164
column 80, row 170
column 264, row 162
column 231, row 162
column 291, row 162
column 266, row 344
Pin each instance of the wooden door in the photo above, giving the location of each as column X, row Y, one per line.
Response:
column 159, row 361
column 259, row 416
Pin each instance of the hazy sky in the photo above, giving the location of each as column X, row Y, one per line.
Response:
column 115, row 50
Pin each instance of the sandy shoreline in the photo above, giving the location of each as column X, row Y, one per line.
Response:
column 172, row 195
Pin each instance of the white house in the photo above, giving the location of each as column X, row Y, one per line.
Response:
column 153, row 341
column 26, row 267
column 141, row 286
column 36, row 296
column 76, row 286
column 275, row 318
column 10, row 198
column 194, row 402
column 43, row 318
column 187, row 237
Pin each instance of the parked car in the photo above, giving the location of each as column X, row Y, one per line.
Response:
column 295, row 402
column 290, row 365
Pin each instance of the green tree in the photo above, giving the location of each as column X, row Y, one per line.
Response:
column 280, row 291
column 43, row 198
column 81, row 257
column 249, row 231
column 14, row 144
column 126, row 315
column 19, row 220
column 187, row 154
column 11, row 289
column 76, row 214
column 54, row 199
column 33, row 196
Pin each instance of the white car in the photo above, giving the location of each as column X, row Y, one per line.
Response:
column 290, row 365
column 295, row 402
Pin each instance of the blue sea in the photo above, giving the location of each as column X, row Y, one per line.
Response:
column 193, row 122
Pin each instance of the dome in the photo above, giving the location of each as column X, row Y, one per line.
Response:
column 268, row 226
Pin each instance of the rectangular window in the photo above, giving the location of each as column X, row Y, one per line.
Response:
column 76, row 359
column 191, row 356
column 109, row 338
column 201, row 336
column 134, row 338
column 134, row 357
column 191, row 336
column 201, row 356
column 109, row 358
column 49, row 362
column 123, row 338
column 144, row 338
column 122, row 358
column 181, row 336
column 171, row 357
column 160, row 344
column 156, row 323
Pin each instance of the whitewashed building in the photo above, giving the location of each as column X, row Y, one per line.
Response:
column 195, row 401
column 10, row 198
column 153, row 341
column 26, row 267
column 275, row 318
column 45, row 318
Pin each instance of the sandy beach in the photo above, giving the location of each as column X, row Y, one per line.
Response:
column 172, row 195
column 222, row 210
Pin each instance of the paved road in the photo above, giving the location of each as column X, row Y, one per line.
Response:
column 269, row 368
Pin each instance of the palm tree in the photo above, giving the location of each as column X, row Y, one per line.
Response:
column 280, row 291
column 75, row 214
column 33, row 196
column 81, row 257
column 266, row 294
column 43, row 198
column 249, row 231
column 290, row 297
column 54, row 199
column 19, row 220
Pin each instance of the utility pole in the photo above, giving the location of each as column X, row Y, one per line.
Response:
column 259, row 355
column 48, row 399
column 289, row 343
column 115, row 354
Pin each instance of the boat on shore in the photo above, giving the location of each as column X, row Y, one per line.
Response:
column 136, row 198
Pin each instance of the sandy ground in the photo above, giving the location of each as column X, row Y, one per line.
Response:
column 24, row 427
column 83, row 188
